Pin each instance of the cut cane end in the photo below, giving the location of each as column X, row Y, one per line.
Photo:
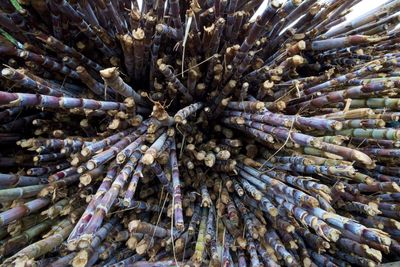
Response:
column 72, row 244
column 91, row 165
column 81, row 259
column 81, row 169
column 84, row 241
column 138, row 34
column 109, row 73
column 179, row 119
column 363, row 158
column 337, row 125
column 86, row 152
column 7, row 72
column 126, row 202
column 148, row 159
column 85, row 179
column 273, row 212
column 121, row 158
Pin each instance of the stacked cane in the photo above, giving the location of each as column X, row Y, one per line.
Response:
column 199, row 133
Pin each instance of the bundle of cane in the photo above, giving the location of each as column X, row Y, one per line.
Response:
column 194, row 133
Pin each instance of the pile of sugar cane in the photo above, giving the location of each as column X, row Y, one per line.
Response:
column 199, row 133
